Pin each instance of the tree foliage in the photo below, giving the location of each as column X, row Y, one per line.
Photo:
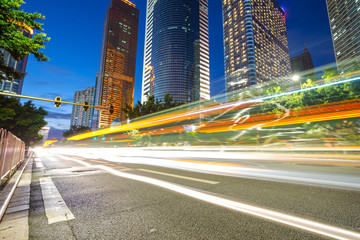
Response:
column 23, row 120
column 13, row 21
column 74, row 130
column 321, row 95
column 152, row 105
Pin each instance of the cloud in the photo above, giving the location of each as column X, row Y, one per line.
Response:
column 49, row 95
column 57, row 115
column 53, row 69
column 52, row 95
column 65, row 73
column 58, row 123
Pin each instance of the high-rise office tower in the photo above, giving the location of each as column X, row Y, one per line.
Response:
column 255, row 42
column 344, row 17
column 16, row 85
column 116, row 76
column 79, row 117
column 302, row 63
column 176, row 52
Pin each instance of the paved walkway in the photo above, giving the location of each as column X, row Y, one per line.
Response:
column 15, row 224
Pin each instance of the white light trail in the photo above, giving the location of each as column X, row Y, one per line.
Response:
column 297, row 222
column 179, row 176
column 215, row 163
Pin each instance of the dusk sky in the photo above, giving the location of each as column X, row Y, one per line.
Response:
column 75, row 28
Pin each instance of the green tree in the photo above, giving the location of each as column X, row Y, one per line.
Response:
column 152, row 105
column 23, row 120
column 329, row 73
column 13, row 21
column 169, row 102
column 74, row 130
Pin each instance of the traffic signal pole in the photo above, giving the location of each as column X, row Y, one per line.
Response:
column 97, row 107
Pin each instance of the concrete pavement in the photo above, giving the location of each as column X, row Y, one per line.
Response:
column 14, row 225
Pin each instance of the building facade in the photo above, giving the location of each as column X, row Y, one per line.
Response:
column 255, row 43
column 79, row 117
column 302, row 63
column 16, row 85
column 116, row 76
column 176, row 52
column 344, row 17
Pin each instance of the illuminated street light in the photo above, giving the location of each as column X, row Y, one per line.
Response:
column 295, row 78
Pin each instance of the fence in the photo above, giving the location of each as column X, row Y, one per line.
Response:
column 12, row 153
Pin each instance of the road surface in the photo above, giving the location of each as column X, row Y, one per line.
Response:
column 143, row 194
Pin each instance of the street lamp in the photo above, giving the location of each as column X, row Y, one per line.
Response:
column 296, row 78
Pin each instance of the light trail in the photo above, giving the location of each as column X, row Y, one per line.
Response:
column 183, row 115
column 220, row 166
column 287, row 121
column 179, row 176
column 279, row 217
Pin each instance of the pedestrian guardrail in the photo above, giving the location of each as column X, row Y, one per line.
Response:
column 12, row 153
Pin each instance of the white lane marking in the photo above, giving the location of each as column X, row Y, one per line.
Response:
column 179, row 176
column 39, row 164
column 55, row 207
column 302, row 223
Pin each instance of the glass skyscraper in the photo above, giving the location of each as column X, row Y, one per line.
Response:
column 176, row 53
column 344, row 17
column 116, row 76
column 16, row 85
column 255, row 42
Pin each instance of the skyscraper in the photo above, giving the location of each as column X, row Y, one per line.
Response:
column 344, row 17
column 255, row 42
column 79, row 117
column 176, row 52
column 16, row 85
column 116, row 76
column 302, row 63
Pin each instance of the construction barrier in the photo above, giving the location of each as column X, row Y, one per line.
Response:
column 12, row 153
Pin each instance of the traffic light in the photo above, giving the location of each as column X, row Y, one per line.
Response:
column 57, row 102
column 111, row 109
column 86, row 107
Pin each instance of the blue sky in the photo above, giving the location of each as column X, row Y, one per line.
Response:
column 75, row 28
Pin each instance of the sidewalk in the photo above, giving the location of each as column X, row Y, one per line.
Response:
column 15, row 225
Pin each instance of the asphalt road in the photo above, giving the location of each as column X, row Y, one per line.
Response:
column 139, row 197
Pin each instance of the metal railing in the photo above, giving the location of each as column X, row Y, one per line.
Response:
column 12, row 153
